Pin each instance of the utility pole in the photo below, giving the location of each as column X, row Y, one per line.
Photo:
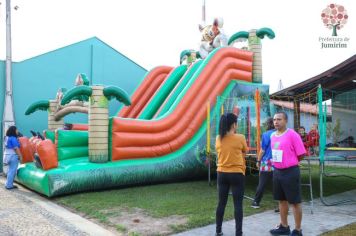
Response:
column 280, row 85
column 203, row 12
column 8, row 115
column 8, row 112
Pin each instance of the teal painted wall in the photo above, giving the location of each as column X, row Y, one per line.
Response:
column 40, row 77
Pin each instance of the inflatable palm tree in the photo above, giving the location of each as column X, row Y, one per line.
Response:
column 51, row 107
column 254, row 42
column 98, row 115
column 57, row 112
column 189, row 56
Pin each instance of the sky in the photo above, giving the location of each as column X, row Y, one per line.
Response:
column 153, row 33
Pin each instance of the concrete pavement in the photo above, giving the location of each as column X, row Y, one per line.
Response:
column 23, row 212
column 324, row 219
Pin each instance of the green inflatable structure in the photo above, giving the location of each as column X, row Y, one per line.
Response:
column 75, row 171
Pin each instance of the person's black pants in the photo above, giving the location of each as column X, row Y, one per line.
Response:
column 264, row 178
column 237, row 183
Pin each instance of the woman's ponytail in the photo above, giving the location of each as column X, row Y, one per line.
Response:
column 226, row 121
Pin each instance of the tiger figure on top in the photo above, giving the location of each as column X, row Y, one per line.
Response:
column 213, row 36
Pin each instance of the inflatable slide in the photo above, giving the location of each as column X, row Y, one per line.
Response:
column 155, row 139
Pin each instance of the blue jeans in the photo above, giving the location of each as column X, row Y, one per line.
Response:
column 13, row 162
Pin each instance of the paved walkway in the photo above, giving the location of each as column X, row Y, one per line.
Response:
column 324, row 219
column 23, row 212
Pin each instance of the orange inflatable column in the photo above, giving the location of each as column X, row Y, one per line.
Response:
column 48, row 154
column 258, row 120
column 26, row 150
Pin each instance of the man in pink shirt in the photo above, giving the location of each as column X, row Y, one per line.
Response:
column 287, row 150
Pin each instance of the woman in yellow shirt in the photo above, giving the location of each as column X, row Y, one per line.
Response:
column 231, row 149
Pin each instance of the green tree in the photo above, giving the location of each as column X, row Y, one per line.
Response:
column 334, row 131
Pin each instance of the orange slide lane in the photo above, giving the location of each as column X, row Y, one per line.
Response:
column 152, row 138
column 172, row 92
column 145, row 91
column 156, row 90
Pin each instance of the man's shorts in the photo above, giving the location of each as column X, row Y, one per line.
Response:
column 287, row 185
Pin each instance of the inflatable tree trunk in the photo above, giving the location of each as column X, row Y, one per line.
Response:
column 98, row 126
column 52, row 123
column 255, row 46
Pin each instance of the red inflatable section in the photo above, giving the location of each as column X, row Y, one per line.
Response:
column 142, row 95
column 26, row 150
column 34, row 141
column 146, row 90
column 79, row 127
column 48, row 154
column 152, row 138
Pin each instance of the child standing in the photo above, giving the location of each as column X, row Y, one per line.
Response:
column 313, row 140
